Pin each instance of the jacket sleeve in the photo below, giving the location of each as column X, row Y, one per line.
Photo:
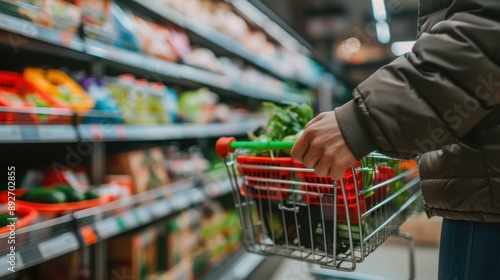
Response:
column 434, row 95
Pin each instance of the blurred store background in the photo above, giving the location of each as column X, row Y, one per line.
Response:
column 109, row 115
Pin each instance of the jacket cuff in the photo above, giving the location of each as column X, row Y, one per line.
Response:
column 356, row 135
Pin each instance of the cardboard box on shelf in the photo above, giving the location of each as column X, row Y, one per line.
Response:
column 146, row 167
column 134, row 254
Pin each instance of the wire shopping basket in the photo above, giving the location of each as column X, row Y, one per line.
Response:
column 286, row 210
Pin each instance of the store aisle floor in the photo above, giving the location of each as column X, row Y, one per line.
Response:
column 389, row 261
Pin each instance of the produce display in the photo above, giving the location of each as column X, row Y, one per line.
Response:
column 143, row 102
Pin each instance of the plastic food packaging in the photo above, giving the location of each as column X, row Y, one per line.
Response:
column 141, row 96
column 126, row 28
column 154, row 40
column 57, row 14
column 97, row 20
column 163, row 103
column 121, row 89
column 203, row 58
column 198, row 106
column 106, row 109
column 17, row 93
column 61, row 87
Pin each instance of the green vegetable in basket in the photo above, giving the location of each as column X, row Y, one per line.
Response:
column 286, row 125
column 305, row 113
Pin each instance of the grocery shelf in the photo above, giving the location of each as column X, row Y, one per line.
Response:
column 37, row 134
column 258, row 13
column 215, row 37
column 109, row 220
column 31, row 30
column 140, row 61
column 113, row 133
column 96, row 132
column 39, row 243
column 44, row 241
column 185, row 72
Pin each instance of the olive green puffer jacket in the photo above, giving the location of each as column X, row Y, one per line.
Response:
column 440, row 102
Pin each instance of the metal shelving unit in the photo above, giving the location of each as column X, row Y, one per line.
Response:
column 90, row 228
column 37, row 133
column 44, row 241
column 215, row 37
column 112, row 133
column 31, row 30
column 109, row 53
column 39, row 243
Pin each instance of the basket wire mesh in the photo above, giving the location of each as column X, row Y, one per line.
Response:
column 286, row 210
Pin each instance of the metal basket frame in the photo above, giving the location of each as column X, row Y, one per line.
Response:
column 364, row 231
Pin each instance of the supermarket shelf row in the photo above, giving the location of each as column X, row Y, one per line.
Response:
column 44, row 241
column 114, row 133
column 222, row 40
column 270, row 25
column 110, row 53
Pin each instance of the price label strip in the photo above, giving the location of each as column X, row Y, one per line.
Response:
column 57, row 246
column 128, row 220
column 10, row 132
column 30, row 133
column 143, row 214
column 107, row 228
column 88, row 235
column 197, row 196
column 180, row 201
column 161, row 208
column 56, row 132
column 5, row 264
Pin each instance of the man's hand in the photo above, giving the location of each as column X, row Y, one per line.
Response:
column 323, row 147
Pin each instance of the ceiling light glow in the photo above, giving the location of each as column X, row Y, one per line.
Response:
column 402, row 47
